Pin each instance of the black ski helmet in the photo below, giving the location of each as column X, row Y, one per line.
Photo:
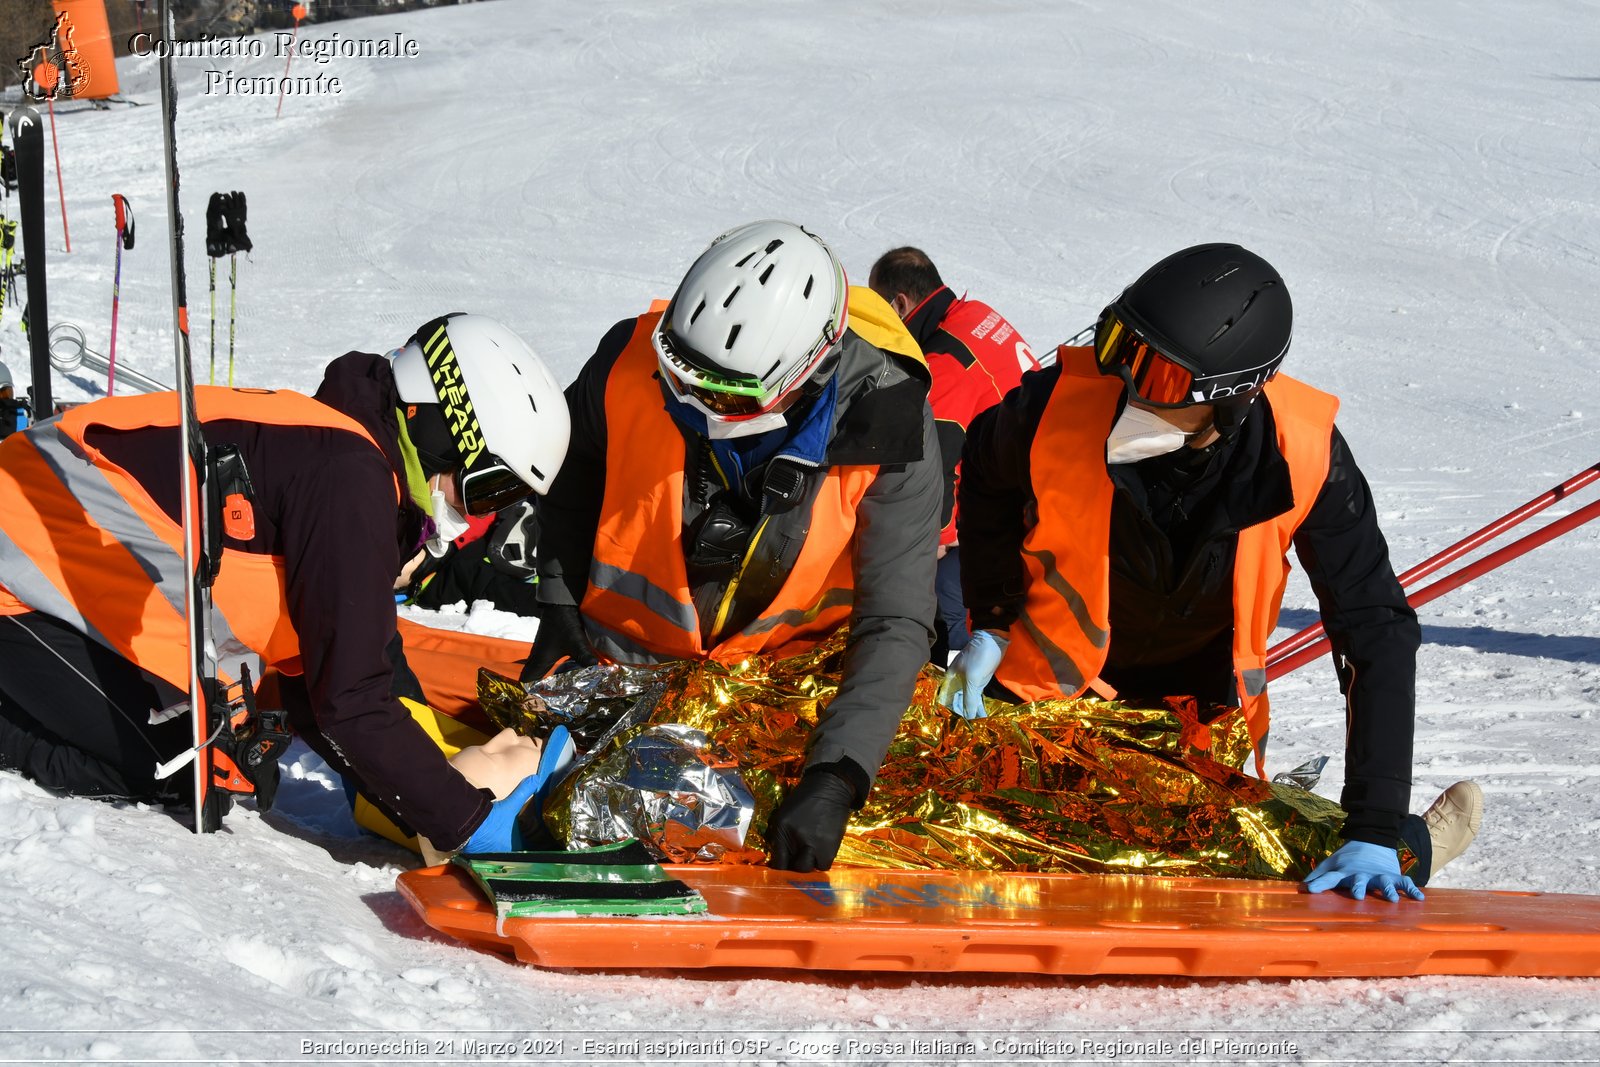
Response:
column 1217, row 310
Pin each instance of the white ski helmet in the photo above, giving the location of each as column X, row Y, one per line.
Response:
column 750, row 322
column 504, row 409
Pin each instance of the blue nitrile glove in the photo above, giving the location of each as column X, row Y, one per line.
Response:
column 1359, row 866
column 498, row 832
column 974, row 666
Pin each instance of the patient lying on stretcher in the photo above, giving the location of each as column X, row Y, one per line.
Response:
column 1066, row 785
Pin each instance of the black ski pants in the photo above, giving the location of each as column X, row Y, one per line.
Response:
column 75, row 716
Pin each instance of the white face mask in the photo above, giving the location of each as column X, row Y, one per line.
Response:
column 448, row 524
column 1141, row 434
column 722, row 430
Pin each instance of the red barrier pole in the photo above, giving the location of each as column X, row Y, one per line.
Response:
column 299, row 13
column 1451, row 582
column 1290, row 645
column 48, row 75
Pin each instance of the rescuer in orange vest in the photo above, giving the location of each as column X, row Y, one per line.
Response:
column 1127, row 515
column 976, row 357
column 751, row 469
column 342, row 487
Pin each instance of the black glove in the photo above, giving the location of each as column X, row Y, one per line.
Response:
column 217, row 225
column 804, row 833
column 560, row 637
column 236, row 233
column 225, row 232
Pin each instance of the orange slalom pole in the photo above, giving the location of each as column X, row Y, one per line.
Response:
column 299, row 13
column 1291, row 645
column 1454, row 581
column 48, row 75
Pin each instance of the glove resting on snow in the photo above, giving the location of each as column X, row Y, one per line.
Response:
column 972, row 670
column 1358, row 866
column 560, row 637
column 805, row 831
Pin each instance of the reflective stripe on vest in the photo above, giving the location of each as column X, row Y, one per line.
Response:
column 1059, row 643
column 82, row 541
column 638, row 607
column 1060, row 640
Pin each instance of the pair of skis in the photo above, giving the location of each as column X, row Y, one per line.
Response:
column 27, row 137
column 234, row 742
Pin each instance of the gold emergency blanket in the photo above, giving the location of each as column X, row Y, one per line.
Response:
column 1062, row 785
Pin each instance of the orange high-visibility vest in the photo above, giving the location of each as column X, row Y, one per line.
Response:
column 638, row 607
column 82, row 541
column 1059, row 641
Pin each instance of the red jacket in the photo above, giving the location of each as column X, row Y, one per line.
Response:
column 976, row 358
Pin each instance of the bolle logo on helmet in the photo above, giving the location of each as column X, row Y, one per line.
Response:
column 1215, row 387
column 453, row 398
column 1220, row 391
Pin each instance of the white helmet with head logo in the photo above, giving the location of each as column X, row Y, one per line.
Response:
column 752, row 319
column 504, row 409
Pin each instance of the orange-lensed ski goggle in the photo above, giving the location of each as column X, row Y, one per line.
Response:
column 1154, row 377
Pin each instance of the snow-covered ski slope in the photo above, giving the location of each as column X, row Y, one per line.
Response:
column 1423, row 173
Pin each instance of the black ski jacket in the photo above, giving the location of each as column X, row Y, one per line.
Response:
column 1175, row 521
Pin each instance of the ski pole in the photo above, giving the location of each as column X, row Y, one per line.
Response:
column 1290, row 645
column 124, row 240
column 1451, row 582
column 216, row 244
column 224, row 224
column 233, row 307
column 213, row 322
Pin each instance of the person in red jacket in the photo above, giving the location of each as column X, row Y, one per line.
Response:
column 976, row 357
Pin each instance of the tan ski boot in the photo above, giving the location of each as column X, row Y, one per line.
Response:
column 1453, row 820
